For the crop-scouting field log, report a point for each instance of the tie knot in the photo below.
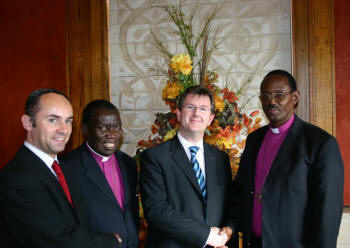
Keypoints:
(55, 166)
(194, 149)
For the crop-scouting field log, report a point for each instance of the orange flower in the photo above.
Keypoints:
(219, 103)
(154, 129)
(246, 120)
(171, 90)
(229, 95)
(254, 113)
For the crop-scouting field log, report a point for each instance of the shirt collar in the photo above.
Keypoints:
(186, 144)
(284, 127)
(46, 158)
(103, 158)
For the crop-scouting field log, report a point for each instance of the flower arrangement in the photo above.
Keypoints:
(231, 124)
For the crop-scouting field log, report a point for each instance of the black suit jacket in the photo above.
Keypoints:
(104, 211)
(302, 194)
(172, 200)
(36, 211)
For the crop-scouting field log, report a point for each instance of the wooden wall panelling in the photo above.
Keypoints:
(313, 61)
(87, 57)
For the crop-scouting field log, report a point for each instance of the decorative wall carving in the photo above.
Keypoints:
(255, 38)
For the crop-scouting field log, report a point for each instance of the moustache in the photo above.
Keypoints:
(272, 106)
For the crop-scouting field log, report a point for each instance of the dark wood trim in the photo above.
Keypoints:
(87, 57)
(313, 60)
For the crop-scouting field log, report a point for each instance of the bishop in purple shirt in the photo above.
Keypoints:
(289, 188)
(105, 176)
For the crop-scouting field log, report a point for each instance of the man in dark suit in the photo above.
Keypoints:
(289, 187)
(185, 183)
(105, 176)
(38, 203)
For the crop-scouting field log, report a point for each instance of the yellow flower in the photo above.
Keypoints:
(170, 134)
(219, 103)
(225, 143)
(171, 90)
(182, 63)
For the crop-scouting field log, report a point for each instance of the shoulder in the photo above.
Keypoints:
(214, 150)
(159, 148)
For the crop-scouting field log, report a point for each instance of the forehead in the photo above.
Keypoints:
(56, 104)
(197, 99)
(275, 83)
(106, 115)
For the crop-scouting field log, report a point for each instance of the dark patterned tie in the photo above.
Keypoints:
(61, 179)
(197, 170)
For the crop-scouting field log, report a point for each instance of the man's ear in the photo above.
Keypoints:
(296, 95)
(27, 122)
(178, 114)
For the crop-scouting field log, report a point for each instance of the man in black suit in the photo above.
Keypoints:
(105, 176)
(38, 203)
(186, 183)
(289, 187)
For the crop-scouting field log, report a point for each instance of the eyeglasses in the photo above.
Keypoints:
(277, 96)
(192, 108)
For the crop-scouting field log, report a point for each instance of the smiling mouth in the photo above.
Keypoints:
(109, 145)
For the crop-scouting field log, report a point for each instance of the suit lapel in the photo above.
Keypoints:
(180, 157)
(95, 175)
(124, 171)
(38, 165)
(210, 171)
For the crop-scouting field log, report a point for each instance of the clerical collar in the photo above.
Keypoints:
(284, 127)
(104, 159)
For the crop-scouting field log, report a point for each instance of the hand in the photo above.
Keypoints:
(225, 231)
(117, 236)
(216, 239)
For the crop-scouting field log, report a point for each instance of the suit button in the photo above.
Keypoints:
(252, 192)
(248, 243)
(125, 217)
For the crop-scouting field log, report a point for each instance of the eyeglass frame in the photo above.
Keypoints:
(273, 96)
(192, 108)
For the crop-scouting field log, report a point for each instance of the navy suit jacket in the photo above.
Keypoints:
(104, 212)
(35, 211)
(172, 200)
(302, 194)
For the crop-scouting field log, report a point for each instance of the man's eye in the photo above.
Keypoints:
(52, 120)
(279, 96)
(203, 109)
(190, 107)
(69, 121)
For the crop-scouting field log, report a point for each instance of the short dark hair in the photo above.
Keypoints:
(32, 102)
(291, 80)
(91, 107)
(197, 90)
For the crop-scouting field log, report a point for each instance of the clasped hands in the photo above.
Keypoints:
(218, 237)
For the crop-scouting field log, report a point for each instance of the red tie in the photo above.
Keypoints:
(60, 176)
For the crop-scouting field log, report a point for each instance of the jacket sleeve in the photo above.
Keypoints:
(326, 184)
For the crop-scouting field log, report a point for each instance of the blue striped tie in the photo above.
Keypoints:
(198, 171)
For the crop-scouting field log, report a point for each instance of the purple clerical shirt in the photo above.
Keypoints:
(272, 142)
(111, 169)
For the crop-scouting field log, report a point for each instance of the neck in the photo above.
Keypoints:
(191, 137)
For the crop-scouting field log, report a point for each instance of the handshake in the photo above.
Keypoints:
(218, 237)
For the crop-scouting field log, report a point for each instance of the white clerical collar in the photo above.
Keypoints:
(275, 130)
(186, 144)
(104, 158)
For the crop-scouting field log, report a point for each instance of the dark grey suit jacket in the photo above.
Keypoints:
(302, 194)
(36, 211)
(104, 212)
(172, 200)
